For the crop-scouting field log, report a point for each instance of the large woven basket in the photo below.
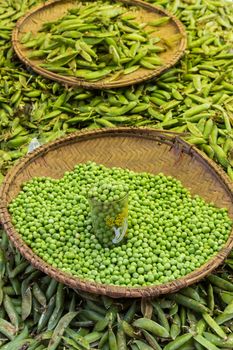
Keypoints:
(55, 9)
(133, 148)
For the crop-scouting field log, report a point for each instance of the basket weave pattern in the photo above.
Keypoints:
(136, 149)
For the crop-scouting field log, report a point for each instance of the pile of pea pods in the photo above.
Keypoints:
(194, 98)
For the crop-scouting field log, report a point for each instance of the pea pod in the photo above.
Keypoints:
(161, 316)
(38, 294)
(206, 343)
(121, 339)
(178, 342)
(26, 303)
(212, 324)
(60, 329)
(7, 329)
(188, 302)
(58, 308)
(10, 310)
(77, 338)
(19, 340)
(196, 110)
(151, 326)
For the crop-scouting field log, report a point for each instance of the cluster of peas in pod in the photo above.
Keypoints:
(109, 211)
(170, 232)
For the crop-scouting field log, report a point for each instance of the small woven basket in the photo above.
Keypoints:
(53, 10)
(138, 149)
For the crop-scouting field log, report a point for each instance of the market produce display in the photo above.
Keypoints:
(95, 40)
(194, 97)
(39, 313)
(170, 233)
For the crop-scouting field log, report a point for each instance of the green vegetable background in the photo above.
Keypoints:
(195, 97)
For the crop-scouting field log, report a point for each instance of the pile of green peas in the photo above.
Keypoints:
(170, 232)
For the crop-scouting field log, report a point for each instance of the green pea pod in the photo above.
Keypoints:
(60, 329)
(74, 344)
(151, 326)
(157, 101)
(89, 75)
(194, 129)
(84, 46)
(93, 337)
(137, 58)
(18, 141)
(161, 316)
(228, 145)
(26, 303)
(213, 137)
(214, 325)
(10, 310)
(72, 306)
(26, 37)
(17, 341)
(58, 308)
(196, 140)
(121, 336)
(57, 69)
(178, 342)
(112, 340)
(91, 315)
(196, 110)
(144, 63)
(128, 329)
(151, 340)
(177, 95)
(188, 302)
(190, 292)
(201, 326)
(18, 269)
(7, 329)
(169, 105)
(208, 127)
(159, 21)
(135, 37)
(78, 337)
(175, 327)
(227, 121)
(206, 343)
(101, 325)
(131, 69)
(220, 155)
(39, 295)
(115, 56)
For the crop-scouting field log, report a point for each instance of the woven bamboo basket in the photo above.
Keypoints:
(53, 10)
(138, 149)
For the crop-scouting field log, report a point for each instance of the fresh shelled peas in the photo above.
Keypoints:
(170, 233)
(95, 40)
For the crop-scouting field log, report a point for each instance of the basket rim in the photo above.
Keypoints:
(73, 81)
(111, 290)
